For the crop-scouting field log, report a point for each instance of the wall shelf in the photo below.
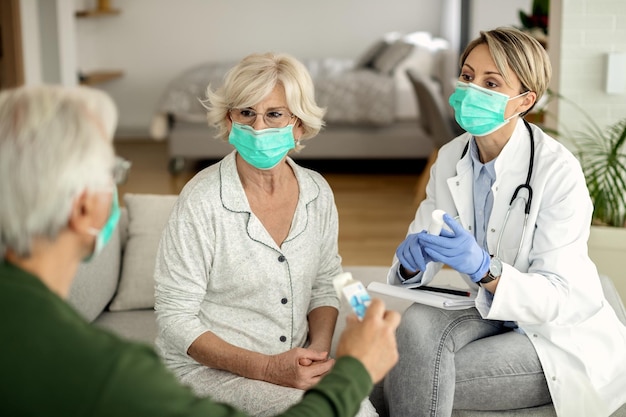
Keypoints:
(102, 9)
(98, 77)
(97, 12)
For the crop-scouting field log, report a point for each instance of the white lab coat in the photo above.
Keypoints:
(553, 290)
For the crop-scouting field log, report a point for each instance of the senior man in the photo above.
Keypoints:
(58, 207)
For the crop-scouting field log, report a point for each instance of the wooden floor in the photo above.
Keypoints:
(374, 209)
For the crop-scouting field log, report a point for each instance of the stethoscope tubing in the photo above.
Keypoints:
(528, 201)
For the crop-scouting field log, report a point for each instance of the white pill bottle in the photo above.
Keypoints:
(354, 292)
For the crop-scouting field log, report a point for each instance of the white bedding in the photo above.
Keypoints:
(372, 90)
(350, 95)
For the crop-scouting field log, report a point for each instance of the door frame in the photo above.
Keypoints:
(12, 59)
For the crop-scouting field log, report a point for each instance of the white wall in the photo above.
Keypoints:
(49, 41)
(154, 40)
(489, 14)
(587, 30)
(31, 49)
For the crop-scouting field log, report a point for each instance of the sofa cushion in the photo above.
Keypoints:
(135, 325)
(147, 216)
(95, 281)
(367, 57)
(392, 56)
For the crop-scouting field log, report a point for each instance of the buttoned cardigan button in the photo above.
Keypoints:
(283, 339)
(284, 300)
(281, 258)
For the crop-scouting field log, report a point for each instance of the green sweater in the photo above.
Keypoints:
(54, 363)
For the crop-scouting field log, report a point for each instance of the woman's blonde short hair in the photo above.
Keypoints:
(253, 79)
(523, 54)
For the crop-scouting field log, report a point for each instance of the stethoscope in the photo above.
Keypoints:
(520, 187)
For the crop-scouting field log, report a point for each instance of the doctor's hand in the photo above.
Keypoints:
(411, 255)
(458, 249)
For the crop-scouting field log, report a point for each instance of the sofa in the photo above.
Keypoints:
(115, 290)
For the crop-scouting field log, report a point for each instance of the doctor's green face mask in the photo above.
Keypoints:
(103, 236)
(263, 149)
(478, 110)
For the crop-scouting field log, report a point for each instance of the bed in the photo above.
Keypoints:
(372, 110)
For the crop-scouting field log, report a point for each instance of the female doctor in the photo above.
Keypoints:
(542, 330)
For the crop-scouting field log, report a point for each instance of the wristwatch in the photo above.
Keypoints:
(495, 270)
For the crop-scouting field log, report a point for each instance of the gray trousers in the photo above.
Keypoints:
(458, 360)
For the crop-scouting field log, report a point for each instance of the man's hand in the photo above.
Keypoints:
(298, 368)
(372, 340)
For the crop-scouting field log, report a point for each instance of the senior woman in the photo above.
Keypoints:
(541, 330)
(244, 298)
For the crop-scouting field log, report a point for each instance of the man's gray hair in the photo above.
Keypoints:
(55, 142)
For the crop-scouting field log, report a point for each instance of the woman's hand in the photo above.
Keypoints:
(298, 368)
(312, 347)
(458, 249)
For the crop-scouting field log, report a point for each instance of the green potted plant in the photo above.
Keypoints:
(602, 154)
(536, 23)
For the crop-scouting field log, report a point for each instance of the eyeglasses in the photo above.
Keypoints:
(120, 170)
(273, 118)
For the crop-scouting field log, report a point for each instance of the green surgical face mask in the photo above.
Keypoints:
(478, 110)
(263, 149)
(103, 236)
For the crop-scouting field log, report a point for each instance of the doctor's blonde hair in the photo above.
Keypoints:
(511, 48)
(253, 79)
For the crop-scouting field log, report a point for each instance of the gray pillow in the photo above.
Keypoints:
(95, 281)
(393, 55)
(147, 216)
(366, 60)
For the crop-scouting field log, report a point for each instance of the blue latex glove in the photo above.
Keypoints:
(410, 253)
(458, 249)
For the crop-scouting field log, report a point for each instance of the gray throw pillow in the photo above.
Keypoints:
(95, 281)
(366, 60)
(393, 55)
(147, 216)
